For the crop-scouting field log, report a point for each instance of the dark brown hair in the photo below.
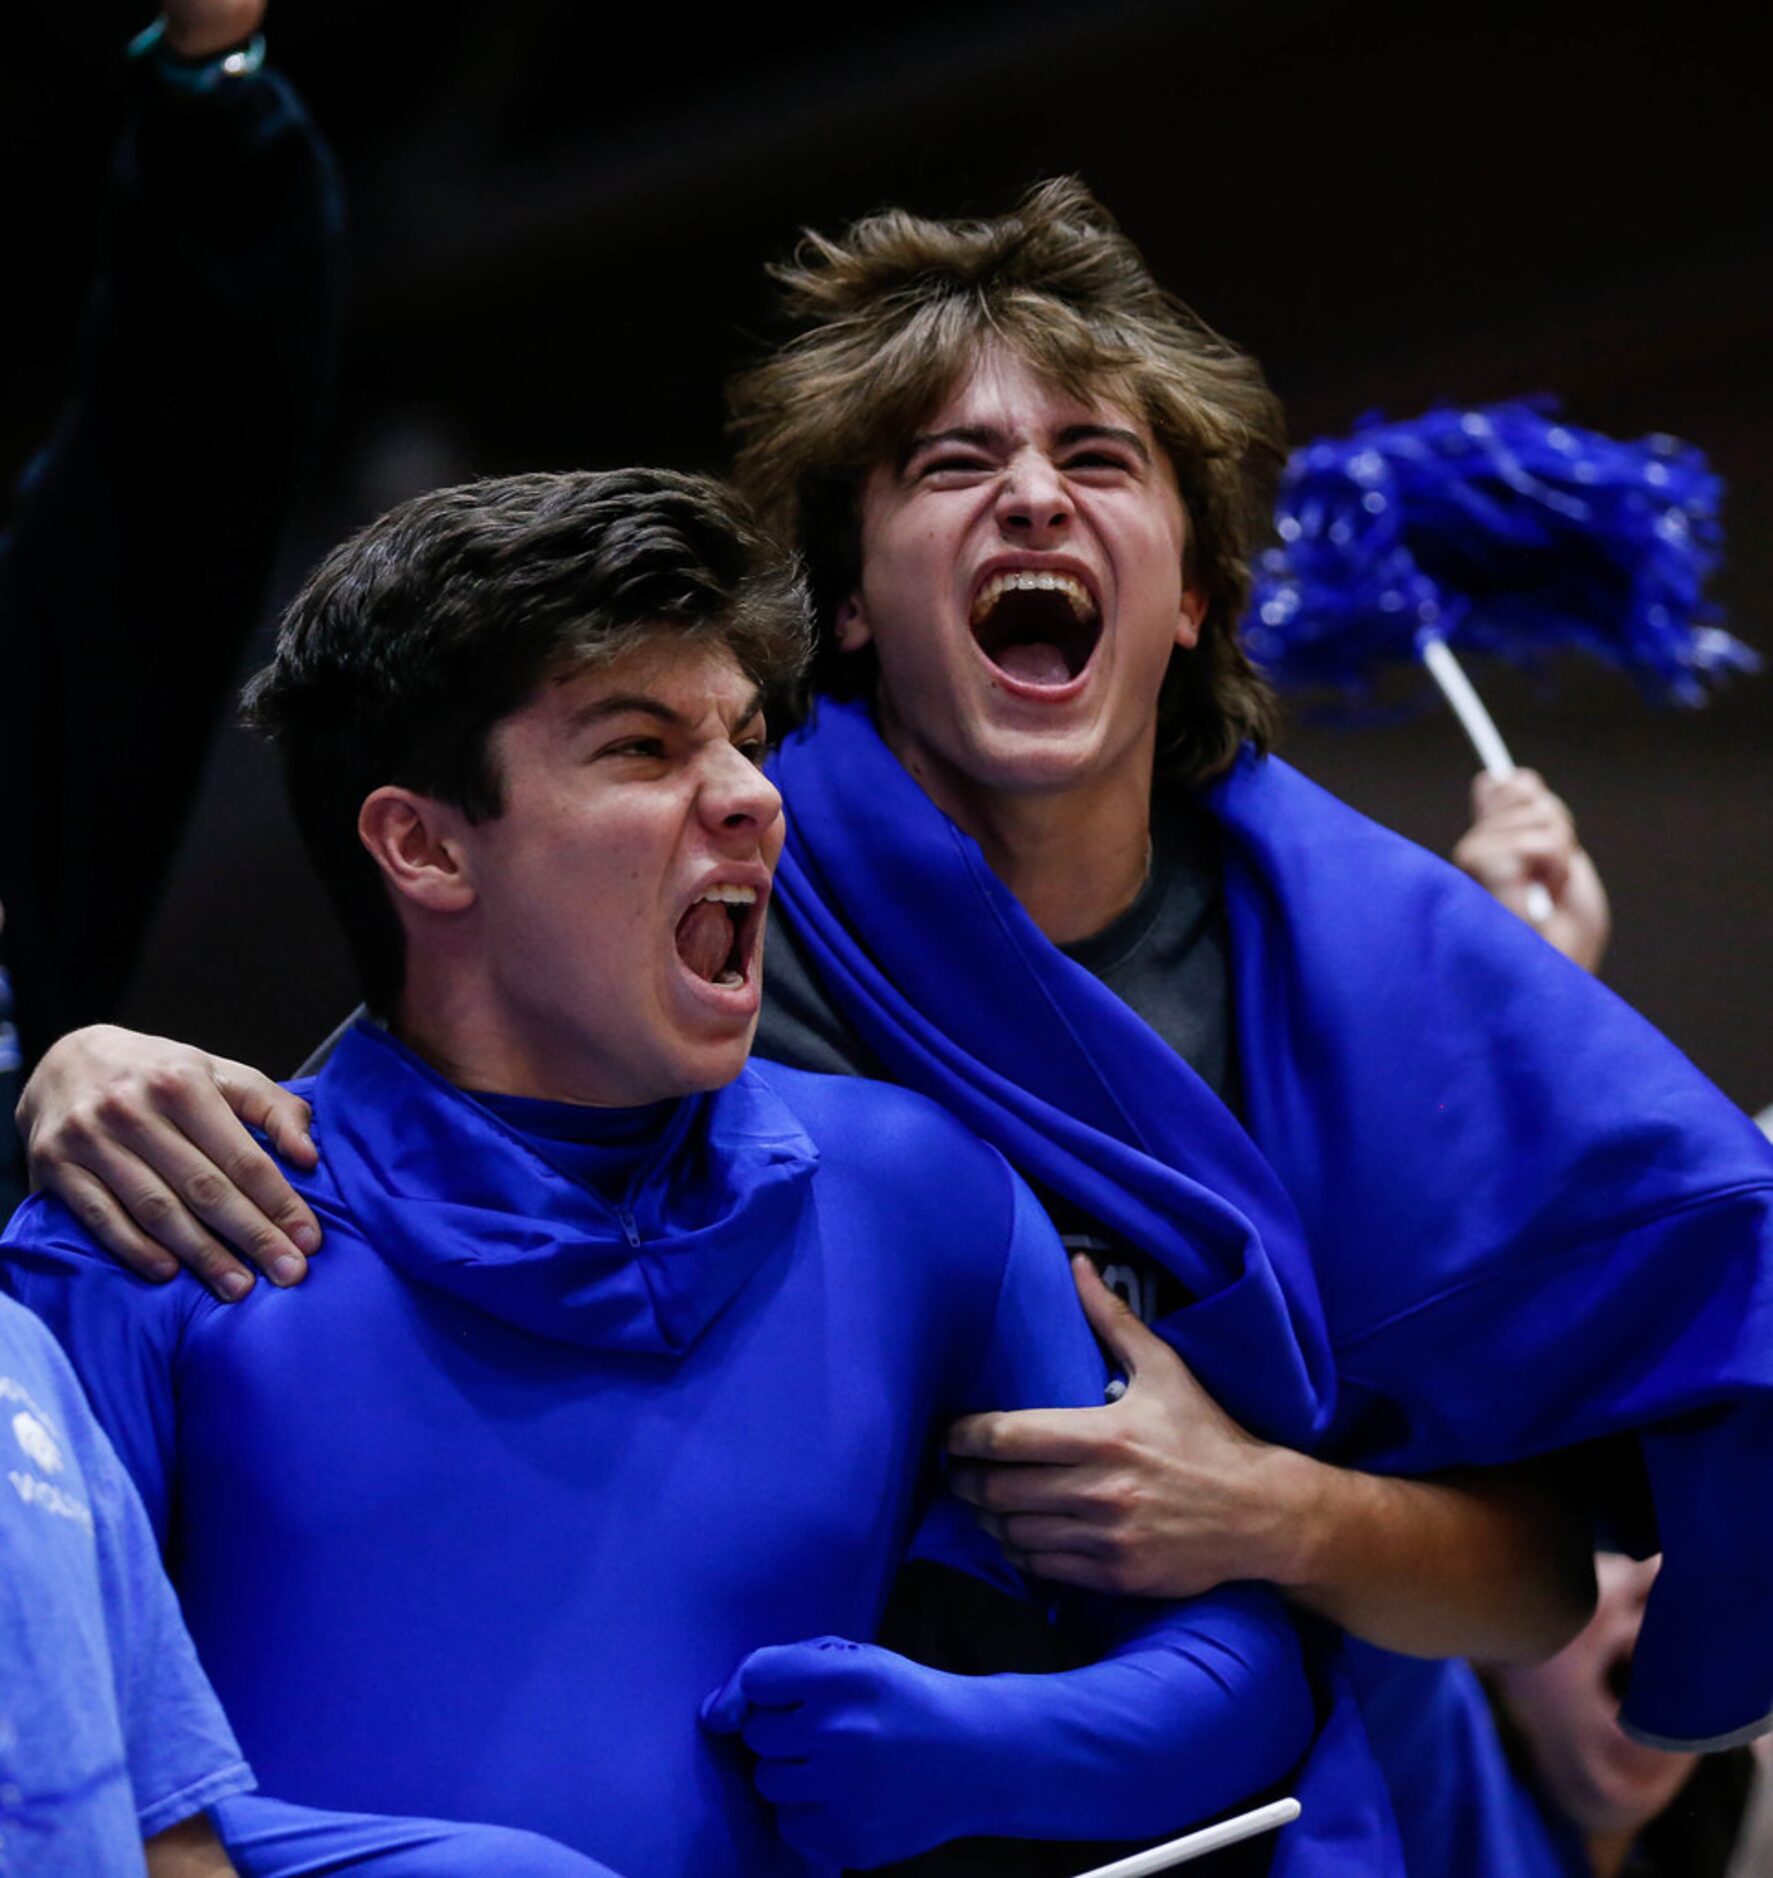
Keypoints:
(894, 312)
(410, 643)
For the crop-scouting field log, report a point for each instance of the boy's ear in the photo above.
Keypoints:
(851, 625)
(417, 843)
(1191, 618)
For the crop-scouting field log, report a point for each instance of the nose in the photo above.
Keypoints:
(737, 797)
(1034, 506)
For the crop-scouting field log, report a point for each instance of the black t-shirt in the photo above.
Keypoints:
(1165, 957)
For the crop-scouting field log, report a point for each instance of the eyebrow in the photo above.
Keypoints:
(985, 436)
(1099, 433)
(622, 703)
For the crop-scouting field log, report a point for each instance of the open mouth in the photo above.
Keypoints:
(1036, 627)
(716, 938)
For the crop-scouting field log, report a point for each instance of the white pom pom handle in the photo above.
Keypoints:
(1486, 740)
(1194, 1845)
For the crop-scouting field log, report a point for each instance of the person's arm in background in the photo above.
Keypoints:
(1521, 836)
(141, 540)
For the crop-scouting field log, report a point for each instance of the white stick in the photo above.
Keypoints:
(1486, 740)
(1194, 1844)
(1468, 707)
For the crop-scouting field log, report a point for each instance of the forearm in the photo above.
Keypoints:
(188, 1850)
(869, 1757)
(1201, 1707)
(1487, 1565)
(273, 1839)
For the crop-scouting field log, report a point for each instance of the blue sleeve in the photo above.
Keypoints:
(121, 1334)
(1038, 1353)
(1199, 1707)
(181, 1752)
(1193, 1707)
(178, 1748)
(272, 1839)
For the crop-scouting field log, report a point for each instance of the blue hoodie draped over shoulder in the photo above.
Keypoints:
(1476, 1209)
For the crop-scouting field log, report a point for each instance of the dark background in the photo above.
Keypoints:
(560, 215)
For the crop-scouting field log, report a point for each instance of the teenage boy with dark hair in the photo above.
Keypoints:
(625, 1369)
(1353, 1138)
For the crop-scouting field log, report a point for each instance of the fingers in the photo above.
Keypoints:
(175, 1191)
(1058, 1437)
(270, 1108)
(1111, 1317)
(776, 1733)
(723, 1712)
(1027, 1535)
(231, 1183)
(1521, 788)
(132, 1186)
(1520, 831)
(775, 1677)
(1503, 859)
(785, 1782)
(1082, 1570)
(208, 1182)
(90, 1203)
(1024, 1488)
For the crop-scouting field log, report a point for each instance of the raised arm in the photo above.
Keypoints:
(1162, 1494)
(142, 538)
(1522, 836)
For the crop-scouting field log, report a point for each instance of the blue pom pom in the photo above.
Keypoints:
(1503, 531)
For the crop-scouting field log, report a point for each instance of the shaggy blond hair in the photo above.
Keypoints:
(893, 314)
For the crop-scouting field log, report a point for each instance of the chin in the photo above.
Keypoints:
(1035, 761)
(714, 1063)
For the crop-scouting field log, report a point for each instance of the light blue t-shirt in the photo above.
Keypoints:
(109, 1732)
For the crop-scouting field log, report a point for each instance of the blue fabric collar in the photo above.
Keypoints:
(456, 1198)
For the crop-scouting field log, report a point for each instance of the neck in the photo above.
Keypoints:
(1607, 1852)
(1075, 855)
(442, 1018)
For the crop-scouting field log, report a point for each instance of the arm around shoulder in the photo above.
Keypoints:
(145, 1141)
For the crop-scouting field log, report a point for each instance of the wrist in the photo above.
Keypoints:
(199, 64)
(990, 1734)
(1311, 1499)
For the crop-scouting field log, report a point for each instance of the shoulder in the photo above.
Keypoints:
(897, 1145)
(1383, 908)
(1265, 804)
(856, 1115)
(54, 1267)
